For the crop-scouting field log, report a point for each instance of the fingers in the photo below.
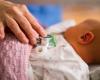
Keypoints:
(14, 27)
(2, 34)
(34, 22)
(26, 26)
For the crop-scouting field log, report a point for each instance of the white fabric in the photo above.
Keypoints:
(61, 27)
(58, 63)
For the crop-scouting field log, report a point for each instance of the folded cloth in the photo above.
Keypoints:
(95, 72)
(59, 62)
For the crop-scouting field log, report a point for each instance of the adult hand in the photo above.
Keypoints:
(20, 21)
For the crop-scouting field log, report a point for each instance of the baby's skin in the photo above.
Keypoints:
(85, 39)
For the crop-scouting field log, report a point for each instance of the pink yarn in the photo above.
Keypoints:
(14, 59)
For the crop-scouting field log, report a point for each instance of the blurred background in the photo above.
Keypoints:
(49, 12)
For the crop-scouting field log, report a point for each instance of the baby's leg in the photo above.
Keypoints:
(14, 57)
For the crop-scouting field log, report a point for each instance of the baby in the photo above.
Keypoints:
(53, 59)
(85, 39)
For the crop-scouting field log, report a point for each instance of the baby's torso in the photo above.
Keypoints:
(55, 59)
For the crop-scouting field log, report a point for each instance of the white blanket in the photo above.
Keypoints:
(60, 62)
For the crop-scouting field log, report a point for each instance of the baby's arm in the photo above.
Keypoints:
(14, 57)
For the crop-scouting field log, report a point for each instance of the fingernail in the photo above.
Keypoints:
(33, 41)
(26, 41)
(1, 36)
(44, 34)
(36, 36)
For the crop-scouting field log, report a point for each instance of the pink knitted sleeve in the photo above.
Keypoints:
(14, 59)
